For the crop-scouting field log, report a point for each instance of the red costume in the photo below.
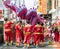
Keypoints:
(27, 34)
(38, 34)
(56, 33)
(8, 32)
(22, 34)
(18, 33)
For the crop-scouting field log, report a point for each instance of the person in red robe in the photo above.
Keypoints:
(38, 33)
(8, 32)
(18, 29)
(56, 33)
(27, 34)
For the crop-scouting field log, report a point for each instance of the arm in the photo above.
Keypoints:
(24, 30)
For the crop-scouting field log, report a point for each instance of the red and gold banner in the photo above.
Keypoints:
(42, 6)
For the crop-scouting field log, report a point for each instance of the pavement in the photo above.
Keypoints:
(57, 45)
(46, 46)
(14, 47)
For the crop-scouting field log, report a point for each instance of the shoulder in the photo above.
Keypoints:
(28, 25)
(9, 22)
(16, 25)
(37, 25)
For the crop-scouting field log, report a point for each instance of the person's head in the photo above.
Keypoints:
(38, 22)
(41, 24)
(6, 19)
(28, 22)
(19, 22)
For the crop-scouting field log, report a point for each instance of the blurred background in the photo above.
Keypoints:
(49, 9)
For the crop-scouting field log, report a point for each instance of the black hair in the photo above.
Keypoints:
(19, 21)
(41, 24)
(28, 22)
(38, 22)
(56, 29)
(6, 19)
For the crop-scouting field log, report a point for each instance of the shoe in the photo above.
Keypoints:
(34, 46)
(17, 44)
(6, 43)
(42, 45)
(37, 45)
(11, 44)
(28, 45)
(50, 42)
(25, 45)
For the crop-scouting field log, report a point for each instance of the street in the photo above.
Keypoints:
(46, 46)
(31, 22)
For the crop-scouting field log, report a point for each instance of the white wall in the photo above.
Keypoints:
(29, 3)
(54, 15)
(1, 4)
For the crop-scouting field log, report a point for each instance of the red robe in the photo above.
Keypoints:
(8, 32)
(27, 33)
(56, 33)
(38, 34)
(18, 33)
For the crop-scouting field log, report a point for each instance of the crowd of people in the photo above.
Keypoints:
(23, 33)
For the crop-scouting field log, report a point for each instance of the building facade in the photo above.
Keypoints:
(55, 10)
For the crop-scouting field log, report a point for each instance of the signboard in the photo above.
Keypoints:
(40, 8)
(43, 8)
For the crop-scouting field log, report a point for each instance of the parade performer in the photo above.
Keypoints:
(8, 31)
(56, 32)
(27, 34)
(58, 25)
(18, 28)
(38, 34)
(50, 38)
(22, 34)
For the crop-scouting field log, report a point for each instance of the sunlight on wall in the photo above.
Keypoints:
(29, 3)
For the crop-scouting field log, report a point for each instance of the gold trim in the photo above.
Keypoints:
(27, 32)
(6, 30)
(37, 33)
